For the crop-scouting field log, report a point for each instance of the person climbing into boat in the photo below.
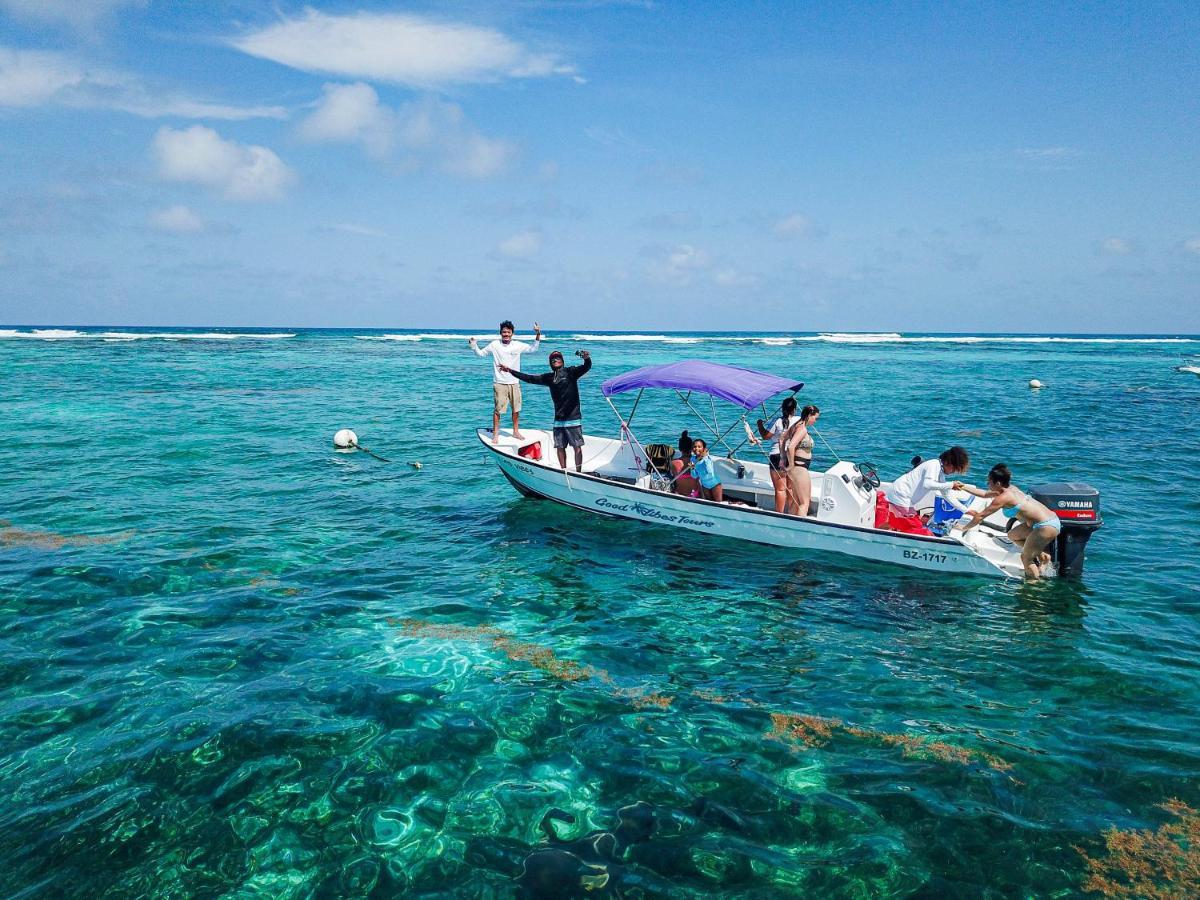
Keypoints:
(506, 358)
(682, 480)
(797, 446)
(916, 488)
(775, 460)
(702, 465)
(1036, 525)
(564, 391)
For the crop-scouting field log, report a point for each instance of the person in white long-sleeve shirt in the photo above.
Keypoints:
(506, 390)
(915, 489)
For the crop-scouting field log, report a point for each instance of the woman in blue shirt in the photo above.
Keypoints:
(702, 467)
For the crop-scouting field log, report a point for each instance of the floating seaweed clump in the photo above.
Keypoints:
(1156, 864)
(815, 731)
(643, 701)
(796, 729)
(541, 658)
(807, 731)
(37, 539)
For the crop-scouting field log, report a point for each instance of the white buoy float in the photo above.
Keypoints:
(1035, 385)
(346, 440)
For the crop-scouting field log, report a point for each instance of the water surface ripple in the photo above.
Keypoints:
(235, 662)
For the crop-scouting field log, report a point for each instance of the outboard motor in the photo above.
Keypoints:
(1077, 506)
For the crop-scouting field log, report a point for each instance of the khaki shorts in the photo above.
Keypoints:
(506, 394)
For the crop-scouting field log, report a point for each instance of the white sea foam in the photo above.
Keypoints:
(619, 338)
(43, 334)
(883, 337)
(893, 338)
(437, 336)
(190, 336)
(70, 334)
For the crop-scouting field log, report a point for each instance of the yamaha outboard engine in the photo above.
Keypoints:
(1078, 509)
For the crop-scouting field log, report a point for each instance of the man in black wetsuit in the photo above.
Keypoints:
(564, 391)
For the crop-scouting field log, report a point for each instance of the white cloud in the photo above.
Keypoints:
(1192, 245)
(732, 278)
(198, 155)
(422, 134)
(398, 48)
(33, 77)
(676, 265)
(359, 230)
(1047, 159)
(38, 77)
(176, 220)
(82, 15)
(522, 245)
(615, 139)
(1115, 246)
(136, 101)
(352, 113)
(1046, 153)
(794, 225)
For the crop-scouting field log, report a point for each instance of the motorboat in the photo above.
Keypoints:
(622, 479)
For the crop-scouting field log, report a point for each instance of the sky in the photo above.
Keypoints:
(1014, 167)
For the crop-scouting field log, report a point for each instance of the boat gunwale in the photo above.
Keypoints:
(799, 520)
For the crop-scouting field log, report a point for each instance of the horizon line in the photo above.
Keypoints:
(597, 330)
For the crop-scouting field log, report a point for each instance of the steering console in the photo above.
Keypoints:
(870, 478)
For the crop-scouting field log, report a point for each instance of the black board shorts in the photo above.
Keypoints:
(568, 434)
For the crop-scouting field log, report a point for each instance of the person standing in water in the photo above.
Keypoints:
(506, 390)
(564, 391)
(1036, 526)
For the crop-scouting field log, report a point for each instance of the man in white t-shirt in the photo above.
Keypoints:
(916, 489)
(506, 390)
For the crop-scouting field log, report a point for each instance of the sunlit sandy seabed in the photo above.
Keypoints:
(234, 662)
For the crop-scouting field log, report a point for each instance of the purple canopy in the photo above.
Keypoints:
(745, 387)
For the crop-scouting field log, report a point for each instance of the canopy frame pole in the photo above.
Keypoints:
(633, 440)
(764, 409)
(687, 402)
(641, 391)
(717, 433)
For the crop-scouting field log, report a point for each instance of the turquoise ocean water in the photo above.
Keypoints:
(236, 663)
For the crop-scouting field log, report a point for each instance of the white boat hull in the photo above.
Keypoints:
(976, 554)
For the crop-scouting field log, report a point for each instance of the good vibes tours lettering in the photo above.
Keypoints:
(649, 512)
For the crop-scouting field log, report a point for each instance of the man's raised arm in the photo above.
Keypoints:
(580, 371)
(528, 379)
(537, 339)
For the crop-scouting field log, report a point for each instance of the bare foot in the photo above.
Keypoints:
(518, 436)
(1043, 559)
(495, 437)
